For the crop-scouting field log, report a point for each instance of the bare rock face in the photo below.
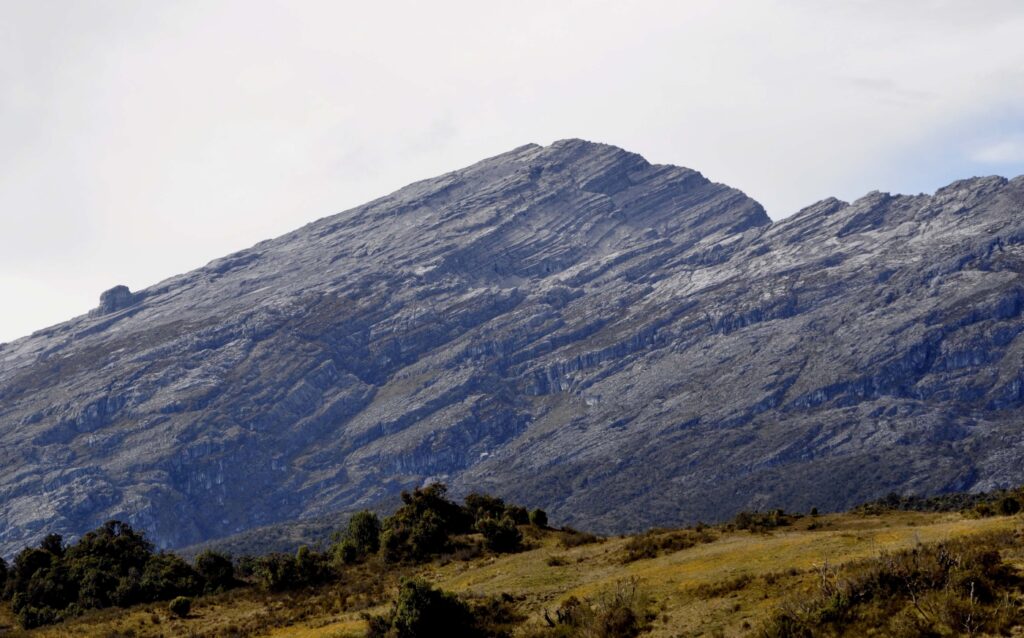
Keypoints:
(569, 326)
(117, 298)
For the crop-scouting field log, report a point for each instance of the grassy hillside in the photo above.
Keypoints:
(728, 582)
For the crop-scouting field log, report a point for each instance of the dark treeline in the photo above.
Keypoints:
(999, 502)
(115, 565)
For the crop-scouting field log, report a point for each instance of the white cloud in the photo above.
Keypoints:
(1006, 151)
(144, 139)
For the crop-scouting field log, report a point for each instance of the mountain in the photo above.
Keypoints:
(568, 326)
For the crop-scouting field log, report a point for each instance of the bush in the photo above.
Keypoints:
(111, 565)
(364, 532)
(952, 588)
(180, 606)
(500, 536)
(572, 538)
(761, 521)
(657, 542)
(624, 611)
(360, 539)
(481, 506)
(421, 611)
(216, 571)
(519, 515)
(539, 518)
(1008, 506)
(276, 572)
(423, 525)
(282, 572)
(166, 576)
(345, 552)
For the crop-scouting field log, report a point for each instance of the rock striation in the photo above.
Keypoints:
(624, 344)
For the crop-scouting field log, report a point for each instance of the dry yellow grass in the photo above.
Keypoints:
(762, 569)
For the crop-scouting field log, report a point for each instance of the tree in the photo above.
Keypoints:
(519, 514)
(276, 572)
(166, 576)
(53, 543)
(500, 535)
(421, 527)
(539, 518)
(281, 572)
(216, 570)
(421, 611)
(111, 565)
(360, 539)
(481, 506)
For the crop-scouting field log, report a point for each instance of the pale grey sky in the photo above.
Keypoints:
(143, 139)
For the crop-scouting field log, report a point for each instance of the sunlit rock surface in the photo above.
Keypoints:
(569, 326)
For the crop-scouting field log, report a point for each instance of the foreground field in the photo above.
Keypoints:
(726, 586)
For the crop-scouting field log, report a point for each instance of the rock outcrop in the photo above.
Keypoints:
(622, 343)
(117, 298)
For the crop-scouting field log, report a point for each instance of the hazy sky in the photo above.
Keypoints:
(143, 139)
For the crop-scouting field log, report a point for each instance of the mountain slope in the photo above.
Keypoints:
(569, 326)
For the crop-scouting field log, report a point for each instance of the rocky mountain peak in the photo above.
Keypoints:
(625, 344)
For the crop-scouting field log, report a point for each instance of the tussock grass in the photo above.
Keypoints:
(729, 585)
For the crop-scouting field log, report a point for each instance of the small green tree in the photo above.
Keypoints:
(166, 576)
(180, 606)
(53, 543)
(360, 539)
(421, 527)
(500, 535)
(539, 518)
(276, 572)
(421, 611)
(216, 570)
(310, 567)
(519, 514)
(481, 506)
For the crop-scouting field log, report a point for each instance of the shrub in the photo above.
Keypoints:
(481, 506)
(360, 539)
(345, 552)
(623, 611)
(984, 510)
(572, 538)
(421, 611)
(216, 571)
(519, 515)
(166, 576)
(761, 521)
(1008, 506)
(276, 572)
(953, 588)
(539, 518)
(283, 572)
(422, 526)
(180, 606)
(364, 532)
(657, 542)
(500, 536)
